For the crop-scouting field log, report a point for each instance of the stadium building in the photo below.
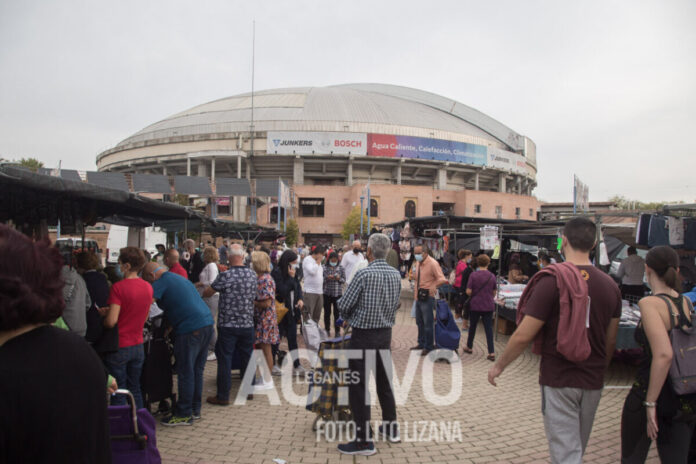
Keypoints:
(420, 154)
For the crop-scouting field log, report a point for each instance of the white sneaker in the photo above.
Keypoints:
(276, 371)
(212, 357)
(459, 320)
(264, 386)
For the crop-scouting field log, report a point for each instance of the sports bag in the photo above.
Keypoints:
(682, 372)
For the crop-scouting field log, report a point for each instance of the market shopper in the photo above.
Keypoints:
(631, 272)
(351, 259)
(428, 276)
(553, 311)
(76, 296)
(289, 292)
(192, 260)
(481, 289)
(171, 260)
(52, 397)
(237, 287)
(369, 307)
(129, 304)
(222, 252)
(193, 327)
(313, 274)
(463, 260)
(334, 278)
(652, 410)
(206, 278)
(265, 318)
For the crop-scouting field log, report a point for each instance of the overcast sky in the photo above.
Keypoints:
(606, 89)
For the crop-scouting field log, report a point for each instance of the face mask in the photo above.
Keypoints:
(333, 264)
(356, 250)
(118, 272)
(419, 258)
(296, 266)
(468, 261)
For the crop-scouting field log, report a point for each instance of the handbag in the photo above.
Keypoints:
(422, 293)
(281, 310)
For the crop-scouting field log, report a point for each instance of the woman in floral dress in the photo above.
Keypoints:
(265, 318)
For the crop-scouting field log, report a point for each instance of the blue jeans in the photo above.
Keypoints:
(425, 322)
(191, 353)
(231, 339)
(125, 366)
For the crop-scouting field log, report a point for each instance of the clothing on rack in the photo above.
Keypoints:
(690, 234)
(676, 231)
(642, 229)
(657, 233)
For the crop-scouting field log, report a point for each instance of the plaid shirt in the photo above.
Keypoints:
(371, 300)
(334, 287)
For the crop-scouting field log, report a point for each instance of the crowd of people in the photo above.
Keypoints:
(63, 320)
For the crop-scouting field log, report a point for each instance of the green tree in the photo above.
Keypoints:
(626, 204)
(30, 163)
(293, 233)
(352, 223)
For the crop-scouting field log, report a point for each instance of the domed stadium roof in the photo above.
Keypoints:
(375, 108)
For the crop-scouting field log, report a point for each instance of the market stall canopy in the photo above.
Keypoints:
(227, 187)
(29, 198)
(69, 174)
(151, 183)
(112, 180)
(191, 185)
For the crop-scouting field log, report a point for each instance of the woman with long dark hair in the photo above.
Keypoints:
(652, 410)
(289, 292)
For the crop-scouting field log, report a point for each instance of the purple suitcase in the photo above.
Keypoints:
(132, 434)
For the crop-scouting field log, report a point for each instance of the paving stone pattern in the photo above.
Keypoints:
(498, 425)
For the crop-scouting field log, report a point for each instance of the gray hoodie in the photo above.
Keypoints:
(77, 301)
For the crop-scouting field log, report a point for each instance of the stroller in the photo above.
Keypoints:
(323, 398)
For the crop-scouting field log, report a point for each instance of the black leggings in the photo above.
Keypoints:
(487, 319)
(673, 436)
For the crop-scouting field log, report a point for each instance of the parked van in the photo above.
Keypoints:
(72, 244)
(118, 238)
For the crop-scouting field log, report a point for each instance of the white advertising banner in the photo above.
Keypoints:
(319, 143)
(501, 159)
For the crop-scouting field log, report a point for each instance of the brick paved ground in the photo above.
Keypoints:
(500, 424)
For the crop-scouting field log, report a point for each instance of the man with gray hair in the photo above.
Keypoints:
(237, 287)
(369, 307)
(192, 260)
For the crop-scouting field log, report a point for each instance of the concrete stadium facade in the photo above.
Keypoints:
(419, 152)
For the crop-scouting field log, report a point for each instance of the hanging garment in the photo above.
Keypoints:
(690, 234)
(676, 231)
(642, 229)
(658, 234)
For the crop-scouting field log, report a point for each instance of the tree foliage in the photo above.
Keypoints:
(292, 233)
(30, 163)
(626, 204)
(352, 223)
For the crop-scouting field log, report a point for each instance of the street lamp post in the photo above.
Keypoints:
(362, 199)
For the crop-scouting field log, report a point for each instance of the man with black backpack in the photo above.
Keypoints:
(571, 311)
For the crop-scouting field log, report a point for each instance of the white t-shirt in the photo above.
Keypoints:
(313, 276)
(207, 277)
(349, 261)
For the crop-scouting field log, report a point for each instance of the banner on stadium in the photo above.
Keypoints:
(581, 195)
(319, 143)
(501, 159)
(402, 146)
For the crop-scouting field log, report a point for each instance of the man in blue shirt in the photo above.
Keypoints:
(193, 327)
(237, 287)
